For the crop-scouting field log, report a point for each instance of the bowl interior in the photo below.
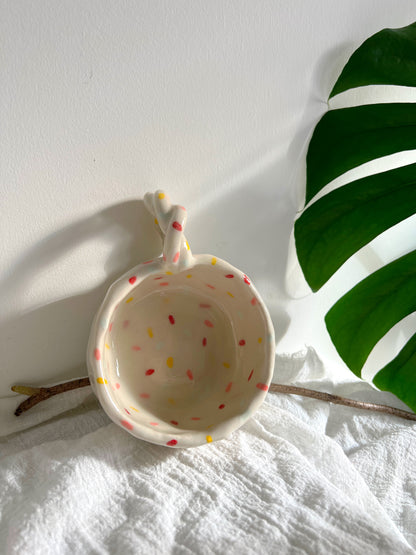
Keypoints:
(187, 351)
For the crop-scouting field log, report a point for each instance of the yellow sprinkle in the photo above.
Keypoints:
(213, 261)
(156, 222)
(259, 339)
(161, 195)
(231, 295)
(132, 408)
(189, 276)
(169, 362)
(210, 426)
(187, 245)
(129, 300)
(169, 273)
(226, 364)
(150, 332)
(102, 381)
(171, 401)
(209, 439)
(107, 346)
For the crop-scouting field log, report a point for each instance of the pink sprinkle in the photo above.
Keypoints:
(163, 283)
(262, 386)
(127, 411)
(229, 276)
(210, 286)
(195, 418)
(148, 262)
(221, 407)
(136, 348)
(171, 319)
(189, 374)
(253, 301)
(159, 277)
(117, 385)
(177, 226)
(176, 257)
(246, 279)
(110, 327)
(174, 422)
(242, 342)
(154, 423)
(204, 341)
(228, 388)
(172, 442)
(251, 375)
(126, 424)
(132, 280)
(164, 257)
(144, 395)
(97, 354)
(126, 324)
(182, 208)
(209, 323)
(205, 305)
(149, 372)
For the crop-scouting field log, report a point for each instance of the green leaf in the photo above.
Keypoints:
(399, 376)
(336, 226)
(365, 314)
(386, 58)
(349, 137)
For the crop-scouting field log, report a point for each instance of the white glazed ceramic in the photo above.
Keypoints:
(181, 352)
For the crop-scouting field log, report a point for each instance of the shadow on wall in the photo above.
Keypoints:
(43, 340)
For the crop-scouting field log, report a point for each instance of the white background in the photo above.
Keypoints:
(102, 101)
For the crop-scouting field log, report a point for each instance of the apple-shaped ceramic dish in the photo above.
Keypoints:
(181, 352)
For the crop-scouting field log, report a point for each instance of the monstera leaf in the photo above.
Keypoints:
(335, 225)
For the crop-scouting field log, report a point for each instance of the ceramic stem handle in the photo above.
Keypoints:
(171, 219)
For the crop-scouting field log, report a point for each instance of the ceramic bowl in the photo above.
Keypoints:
(181, 352)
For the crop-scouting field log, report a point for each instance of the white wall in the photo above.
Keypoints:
(103, 100)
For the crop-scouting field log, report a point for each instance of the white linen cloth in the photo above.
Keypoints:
(302, 476)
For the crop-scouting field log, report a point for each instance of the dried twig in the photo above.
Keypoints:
(38, 394)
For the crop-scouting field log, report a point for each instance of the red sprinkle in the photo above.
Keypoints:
(126, 424)
(158, 277)
(174, 422)
(127, 411)
(221, 407)
(164, 283)
(228, 388)
(242, 342)
(229, 276)
(177, 226)
(171, 319)
(117, 386)
(253, 301)
(209, 323)
(144, 395)
(205, 305)
(136, 348)
(251, 375)
(97, 354)
(148, 262)
(204, 341)
(110, 327)
(132, 280)
(246, 279)
(154, 423)
(176, 257)
(149, 372)
(189, 374)
(195, 418)
(262, 386)
(210, 286)
(172, 442)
